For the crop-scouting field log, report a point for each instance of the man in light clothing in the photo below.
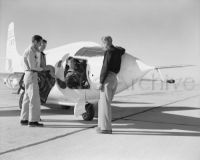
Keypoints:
(108, 84)
(30, 113)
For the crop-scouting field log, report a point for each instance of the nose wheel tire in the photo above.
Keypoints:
(89, 114)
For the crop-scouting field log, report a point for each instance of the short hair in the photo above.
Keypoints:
(37, 38)
(44, 40)
(107, 39)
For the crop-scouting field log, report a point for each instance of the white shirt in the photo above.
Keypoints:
(31, 59)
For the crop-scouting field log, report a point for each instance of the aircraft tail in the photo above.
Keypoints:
(13, 59)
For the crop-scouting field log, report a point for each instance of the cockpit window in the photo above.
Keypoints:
(75, 74)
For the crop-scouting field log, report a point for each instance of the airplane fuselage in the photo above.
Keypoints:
(132, 69)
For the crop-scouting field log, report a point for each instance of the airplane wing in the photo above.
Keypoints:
(158, 68)
(174, 66)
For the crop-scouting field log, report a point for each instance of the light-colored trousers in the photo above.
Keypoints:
(31, 102)
(106, 96)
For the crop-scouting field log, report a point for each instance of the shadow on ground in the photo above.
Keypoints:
(127, 120)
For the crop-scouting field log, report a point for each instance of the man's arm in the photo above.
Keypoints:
(122, 50)
(104, 69)
(62, 84)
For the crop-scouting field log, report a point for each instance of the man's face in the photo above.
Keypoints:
(37, 44)
(43, 46)
(104, 44)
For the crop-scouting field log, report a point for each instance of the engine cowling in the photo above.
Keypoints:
(12, 81)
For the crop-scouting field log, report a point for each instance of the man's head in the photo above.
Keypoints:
(43, 45)
(106, 41)
(36, 41)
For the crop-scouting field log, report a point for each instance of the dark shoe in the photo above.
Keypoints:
(98, 130)
(35, 124)
(24, 122)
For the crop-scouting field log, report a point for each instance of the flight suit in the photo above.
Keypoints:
(31, 101)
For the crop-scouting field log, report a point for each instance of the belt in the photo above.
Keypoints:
(34, 71)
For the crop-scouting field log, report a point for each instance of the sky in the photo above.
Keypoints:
(160, 32)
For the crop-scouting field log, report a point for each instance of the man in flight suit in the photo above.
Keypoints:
(30, 113)
(47, 76)
(108, 84)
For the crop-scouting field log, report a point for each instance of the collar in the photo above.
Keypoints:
(33, 49)
(110, 48)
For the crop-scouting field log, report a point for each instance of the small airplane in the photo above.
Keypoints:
(89, 56)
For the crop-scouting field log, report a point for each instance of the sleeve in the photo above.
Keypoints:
(122, 50)
(105, 67)
(62, 84)
(26, 63)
